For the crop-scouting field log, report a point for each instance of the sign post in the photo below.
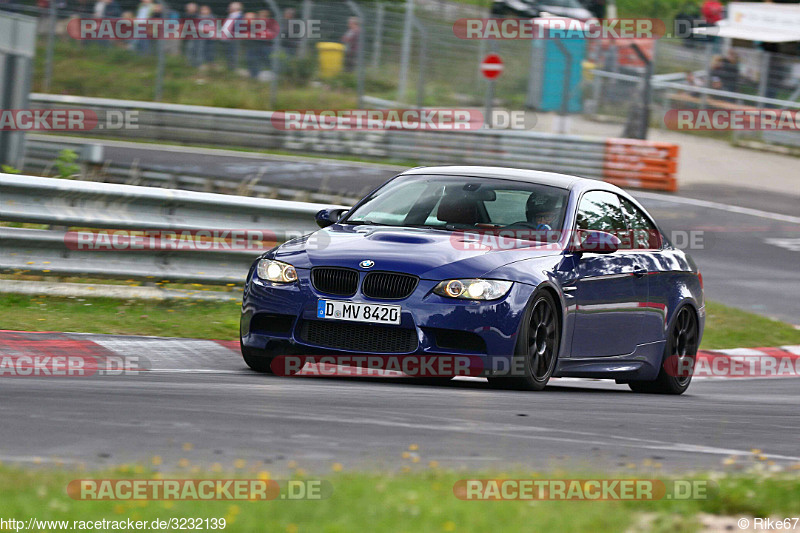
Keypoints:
(491, 68)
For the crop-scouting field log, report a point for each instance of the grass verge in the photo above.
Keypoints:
(415, 500)
(726, 327)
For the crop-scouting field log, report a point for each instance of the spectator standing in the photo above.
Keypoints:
(229, 27)
(266, 39)
(144, 12)
(206, 47)
(131, 43)
(289, 41)
(191, 46)
(729, 71)
(252, 49)
(351, 42)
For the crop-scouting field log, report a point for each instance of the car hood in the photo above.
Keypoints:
(427, 253)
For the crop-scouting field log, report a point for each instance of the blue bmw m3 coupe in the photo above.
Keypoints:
(535, 274)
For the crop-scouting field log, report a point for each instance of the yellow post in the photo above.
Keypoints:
(331, 59)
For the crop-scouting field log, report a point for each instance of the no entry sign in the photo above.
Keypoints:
(492, 66)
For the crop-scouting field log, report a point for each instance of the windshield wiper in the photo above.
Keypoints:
(448, 227)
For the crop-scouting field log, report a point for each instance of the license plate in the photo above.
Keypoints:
(357, 312)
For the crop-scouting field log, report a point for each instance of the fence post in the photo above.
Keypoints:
(376, 45)
(489, 102)
(276, 53)
(51, 36)
(360, 54)
(763, 82)
(566, 88)
(405, 54)
(533, 97)
(306, 15)
(159, 70)
(639, 116)
(423, 52)
(709, 58)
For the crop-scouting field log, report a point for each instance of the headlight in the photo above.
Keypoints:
(276, 271)
(473, 289)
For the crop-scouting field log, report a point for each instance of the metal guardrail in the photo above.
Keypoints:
(625, 162)
(63, 204)
(42, 152)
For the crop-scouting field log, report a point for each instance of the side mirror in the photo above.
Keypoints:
(596, 242)
(327, 217)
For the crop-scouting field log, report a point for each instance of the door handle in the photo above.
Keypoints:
(639, 271)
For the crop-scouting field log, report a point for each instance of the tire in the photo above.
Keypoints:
(682, 345)
(256, 361)
(537, 347)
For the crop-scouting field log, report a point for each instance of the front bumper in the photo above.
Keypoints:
(438, 325)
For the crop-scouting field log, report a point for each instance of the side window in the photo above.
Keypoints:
(642, 233)
(600, 211)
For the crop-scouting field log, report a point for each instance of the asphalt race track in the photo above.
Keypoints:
(201, 403)
(199, 392)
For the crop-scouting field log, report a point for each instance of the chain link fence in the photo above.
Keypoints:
(408, 54)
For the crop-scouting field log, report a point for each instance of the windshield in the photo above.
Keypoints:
(463, 203)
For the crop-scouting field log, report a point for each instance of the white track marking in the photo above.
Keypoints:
(719, 206)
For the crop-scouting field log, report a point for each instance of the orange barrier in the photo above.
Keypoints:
(641, 164)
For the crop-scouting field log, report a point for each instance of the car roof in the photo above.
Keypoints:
(563, 181)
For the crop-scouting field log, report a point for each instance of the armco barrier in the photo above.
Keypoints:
(625, 162)
(68, 203)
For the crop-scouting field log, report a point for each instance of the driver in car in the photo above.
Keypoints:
(541, 212)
